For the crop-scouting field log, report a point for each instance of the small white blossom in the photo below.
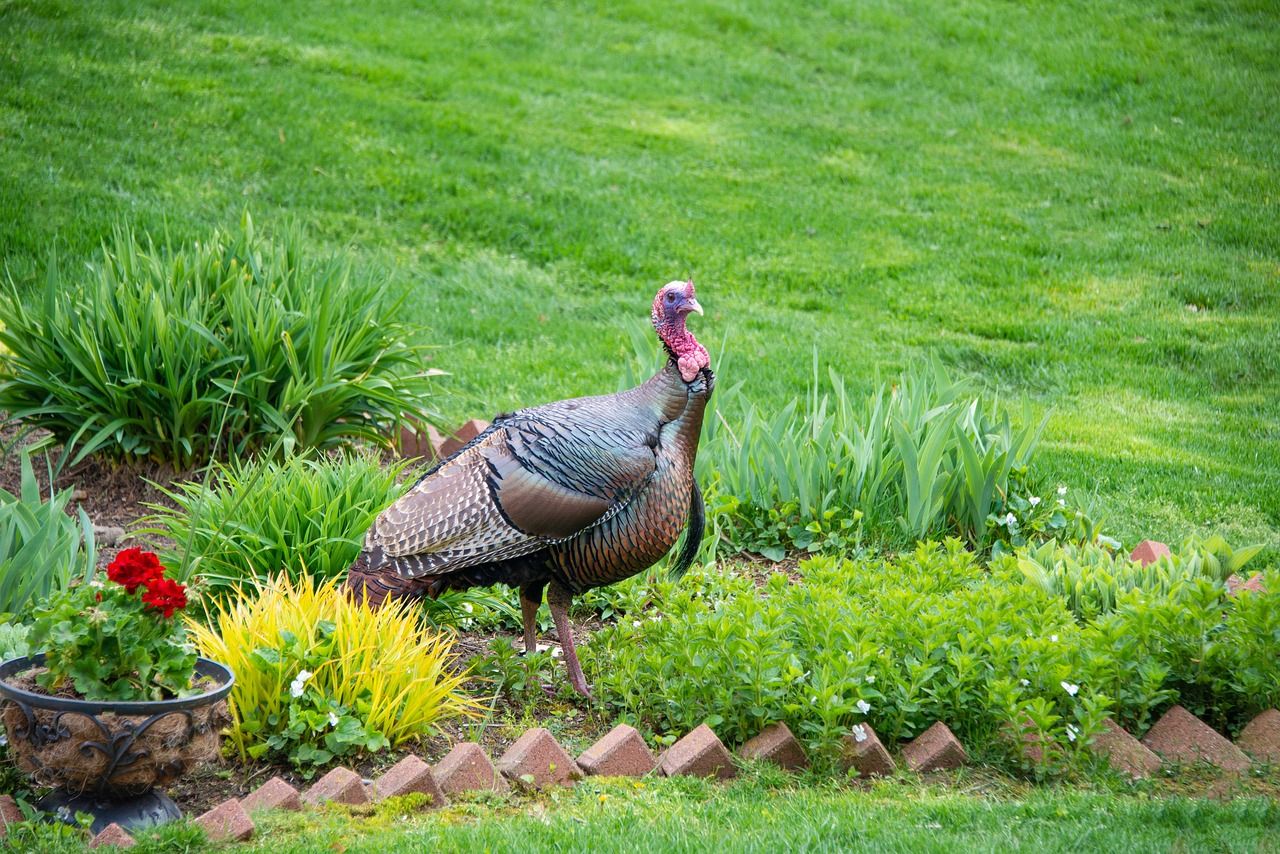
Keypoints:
(1053, 638)
(864, 706)
(1062, 490)
(296, 687)
(468, 607)
(333, 719)
(1025, 683)
(1070, 689)
(1010, 519)
(1072, 732)
(871, 679)
(635, 624)
(859, 733)
(1033, 500)
(1061, 503)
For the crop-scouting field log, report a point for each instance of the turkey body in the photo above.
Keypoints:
(565, 497)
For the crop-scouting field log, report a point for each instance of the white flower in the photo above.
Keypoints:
(871, 679)
(864, 706)
(635, 624)
(1072, 732)
(1061, 503)
(1062, 490)
(1070, 689)
(333, 719)
(859, 733)
(1034, 500)
(1053, 638)
(1010, 519)
(467, 606)
(1025, 683)
(296, 687)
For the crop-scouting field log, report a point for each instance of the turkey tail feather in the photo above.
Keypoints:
(692, 535)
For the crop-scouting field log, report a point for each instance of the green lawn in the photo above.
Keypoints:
(681, 815)
(1076, 201)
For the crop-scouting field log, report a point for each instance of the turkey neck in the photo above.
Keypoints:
(677, 404)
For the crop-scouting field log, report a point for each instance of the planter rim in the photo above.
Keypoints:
(204, 667)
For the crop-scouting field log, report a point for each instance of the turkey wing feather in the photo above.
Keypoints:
(526, 484)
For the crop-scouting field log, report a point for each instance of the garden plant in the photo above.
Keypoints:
(989, 290)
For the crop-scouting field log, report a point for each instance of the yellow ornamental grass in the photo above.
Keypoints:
(392, 673)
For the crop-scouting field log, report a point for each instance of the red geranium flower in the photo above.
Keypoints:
(134, 568)
(165, 595)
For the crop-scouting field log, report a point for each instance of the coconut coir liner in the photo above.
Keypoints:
(164, 751)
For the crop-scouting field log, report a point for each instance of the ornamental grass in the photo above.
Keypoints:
(318, 676)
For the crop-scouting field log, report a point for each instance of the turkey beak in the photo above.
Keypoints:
(693, 306)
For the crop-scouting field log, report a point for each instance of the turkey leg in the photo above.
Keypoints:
(558, 599)
(530, 599)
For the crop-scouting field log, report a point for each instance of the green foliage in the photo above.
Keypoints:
(318, 677)
(40, 834)
(257, 518)
(13, 640)
(517, 675)
(111, 642)
(930, 636)
(923, 457)
(41, 548)
(163, 353)
(1214, 654)
(1093, 579)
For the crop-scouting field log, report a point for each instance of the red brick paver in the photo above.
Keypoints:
(778, 745)
(935, 749)
(621, 753)
(227, 820)
(467, 768)
(698, 754)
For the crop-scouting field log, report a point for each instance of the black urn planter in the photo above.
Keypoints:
(107, 758)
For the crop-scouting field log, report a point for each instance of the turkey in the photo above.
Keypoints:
(562, 497)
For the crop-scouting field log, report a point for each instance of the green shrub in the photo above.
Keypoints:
(922, 457)
(302, 516)
(163, 353)
(931, 635)
(258, 518)
(13, 640)
(1091, 578)
(41, 548)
